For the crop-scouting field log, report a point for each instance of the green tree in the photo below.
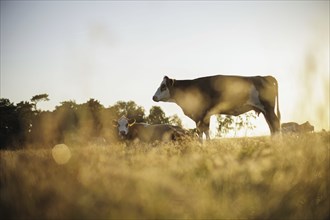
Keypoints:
(26, 117)
(89, 115)
(94, 105)
(175, 120)
(15, 123)
(157, 116)
(227, 123)
(68, 105)
(66, 119)
(9, 124)
(129, 109)
(38, 98)
(247, 123)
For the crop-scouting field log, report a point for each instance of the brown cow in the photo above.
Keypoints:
(231, 95)
(293, 127)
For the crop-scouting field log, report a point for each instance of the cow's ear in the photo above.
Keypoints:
(131, 122)
(169, 82)
(172, 82)
(115, 123)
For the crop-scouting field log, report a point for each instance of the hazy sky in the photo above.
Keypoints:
(120, 50)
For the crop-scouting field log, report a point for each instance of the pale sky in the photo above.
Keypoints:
(120, 50)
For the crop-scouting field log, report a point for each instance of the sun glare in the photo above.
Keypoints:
(61, 154)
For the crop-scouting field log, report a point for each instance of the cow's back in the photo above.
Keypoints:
(165, 132)
(150, 133)
(290, 127)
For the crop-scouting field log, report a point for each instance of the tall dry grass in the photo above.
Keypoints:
(261, 178)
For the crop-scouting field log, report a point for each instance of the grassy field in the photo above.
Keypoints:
(259, 178)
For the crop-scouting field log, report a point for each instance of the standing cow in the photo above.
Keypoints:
(232, 95)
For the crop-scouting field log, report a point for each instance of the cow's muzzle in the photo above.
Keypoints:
(155, 98)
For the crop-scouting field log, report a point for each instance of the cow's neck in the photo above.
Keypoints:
(177, 91)
(178, 85)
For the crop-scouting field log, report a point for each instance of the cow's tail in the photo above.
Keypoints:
(274, 82)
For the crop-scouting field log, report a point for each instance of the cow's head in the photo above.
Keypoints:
(123, 125)
(163, 93)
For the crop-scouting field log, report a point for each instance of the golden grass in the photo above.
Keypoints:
(260, 178)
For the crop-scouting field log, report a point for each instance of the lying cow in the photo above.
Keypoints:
(231, 95)
(293, 127)
(128, 129)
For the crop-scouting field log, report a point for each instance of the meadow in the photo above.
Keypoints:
(281, 177)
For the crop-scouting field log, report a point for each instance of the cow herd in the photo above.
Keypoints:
(206, 96)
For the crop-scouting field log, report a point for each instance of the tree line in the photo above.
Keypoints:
(24, 125)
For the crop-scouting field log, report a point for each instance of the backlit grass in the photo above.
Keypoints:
(259, 178)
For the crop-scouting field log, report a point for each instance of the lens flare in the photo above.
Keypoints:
(61, 153)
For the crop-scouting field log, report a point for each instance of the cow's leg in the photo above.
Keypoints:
(269, 123)
(207, 127)
(203, 126)
(272, 121)
(199, 131)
